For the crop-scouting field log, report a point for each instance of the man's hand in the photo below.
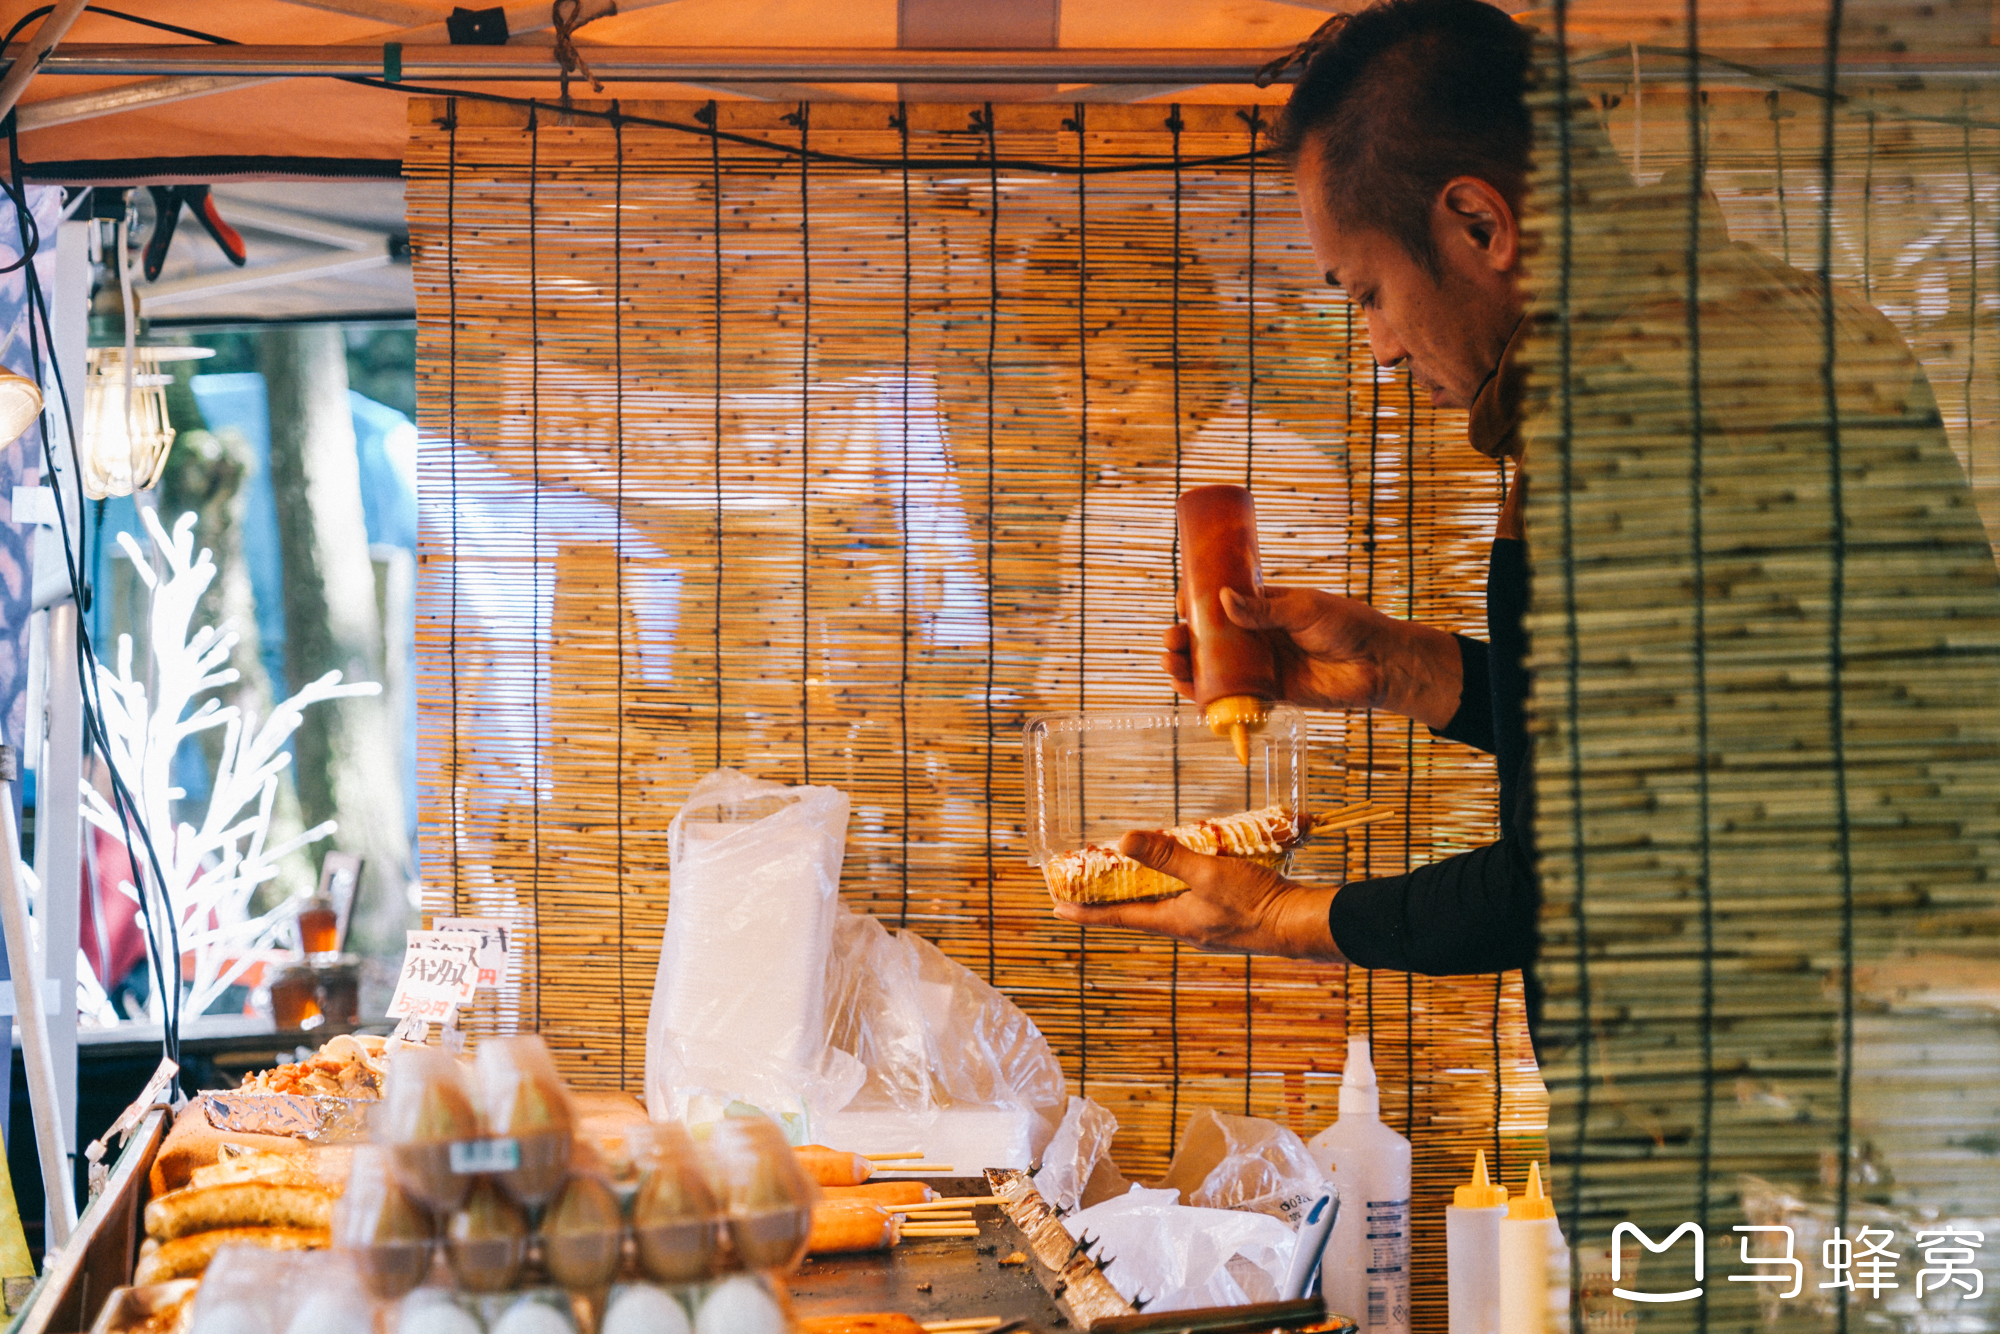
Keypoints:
(1231, 904)
(1337, 653)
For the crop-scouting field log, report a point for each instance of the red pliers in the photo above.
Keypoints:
(167, 201)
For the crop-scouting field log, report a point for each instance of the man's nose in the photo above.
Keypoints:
(1388, 349)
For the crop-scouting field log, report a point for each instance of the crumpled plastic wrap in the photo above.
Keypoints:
(1080, 1144)
(1174, 1258)
(1244, 1162)
(929, 1033)
(739, 1006)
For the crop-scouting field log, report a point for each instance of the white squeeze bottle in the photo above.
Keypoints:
(1472, 1252)
(1366, 1273)
(1534, 1263)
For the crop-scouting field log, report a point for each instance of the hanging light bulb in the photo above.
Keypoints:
(126, 430)
(126, 434)
(20, 404)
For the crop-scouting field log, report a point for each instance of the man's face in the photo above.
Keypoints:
(1449, 328)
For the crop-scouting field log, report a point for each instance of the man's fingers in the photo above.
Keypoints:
(1278, 609)
(1151, 916)
(1163, 854)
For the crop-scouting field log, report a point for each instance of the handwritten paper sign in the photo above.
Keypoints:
(492, 938)
(440, 973)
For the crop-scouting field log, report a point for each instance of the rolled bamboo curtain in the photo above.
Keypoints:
(823, 467)
(1766, 662)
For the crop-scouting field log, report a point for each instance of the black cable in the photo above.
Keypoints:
(903, 546)
(1499, 1077)
(1409, 739)
(1972, 296)
(1572, 634)
(802, 118)
(1174, 126)
(451, 432)
(42, 11)
(715, 228)
(1076, 123)
(1256, 123)
(1867, 218)
(123, 803)
(984, 121)
(1697, 442)
(1836, 621)
(617, 556)
(538, 661)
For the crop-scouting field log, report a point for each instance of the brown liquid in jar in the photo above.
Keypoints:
(1235, 674)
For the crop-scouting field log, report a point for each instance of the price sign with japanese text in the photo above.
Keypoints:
(440, 973)
(492, 937)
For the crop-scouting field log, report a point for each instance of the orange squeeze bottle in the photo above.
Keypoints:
(1235, 674)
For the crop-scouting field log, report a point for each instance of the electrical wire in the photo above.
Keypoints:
(74, 554)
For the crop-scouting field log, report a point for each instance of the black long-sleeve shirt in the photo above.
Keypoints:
(1476, 912)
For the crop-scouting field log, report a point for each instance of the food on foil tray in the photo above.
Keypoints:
(348, 1066)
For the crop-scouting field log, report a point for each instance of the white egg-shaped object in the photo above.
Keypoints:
(435, 1313)
(739, 1305)
(642, 1308)
(531, 1315)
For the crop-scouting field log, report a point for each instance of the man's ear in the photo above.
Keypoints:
(1472, 215)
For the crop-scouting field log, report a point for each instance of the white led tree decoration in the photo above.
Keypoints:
(212, 870)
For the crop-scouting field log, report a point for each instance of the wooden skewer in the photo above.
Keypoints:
(977, 1322)
(948, 1202)
(916, 1167)
(890, 1157)
(943, 1230)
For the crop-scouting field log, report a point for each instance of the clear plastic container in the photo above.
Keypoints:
(1094, 775)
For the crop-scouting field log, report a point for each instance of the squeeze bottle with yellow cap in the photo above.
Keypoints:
(1472, 1252)
(1534, 1263)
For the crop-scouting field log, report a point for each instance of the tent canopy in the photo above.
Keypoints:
(210, 127)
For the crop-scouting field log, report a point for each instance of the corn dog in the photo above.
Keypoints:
(851, 1225)
(831, 1167)
(887, 1322)
(885, 1193)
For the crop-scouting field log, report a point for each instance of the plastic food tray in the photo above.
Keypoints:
(1093, 775)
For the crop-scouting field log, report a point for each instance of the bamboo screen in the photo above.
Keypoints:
(829, 468)
(1765, 633)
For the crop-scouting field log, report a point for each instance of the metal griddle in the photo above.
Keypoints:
(943, 1278)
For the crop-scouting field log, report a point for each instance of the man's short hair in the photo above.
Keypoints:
(1402, 97)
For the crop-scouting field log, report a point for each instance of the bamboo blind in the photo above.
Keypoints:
(833, 468)
(1765, 633)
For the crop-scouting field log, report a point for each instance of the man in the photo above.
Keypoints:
(1409, 137)
(1730, 840)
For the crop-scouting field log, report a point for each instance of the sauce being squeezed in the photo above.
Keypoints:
(1235, 675)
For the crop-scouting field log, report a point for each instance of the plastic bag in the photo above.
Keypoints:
(1155, 1248)
(874, 1006)
(931, 1034)
(1244, 1162)
(1080, 1144)
(739, 1006)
